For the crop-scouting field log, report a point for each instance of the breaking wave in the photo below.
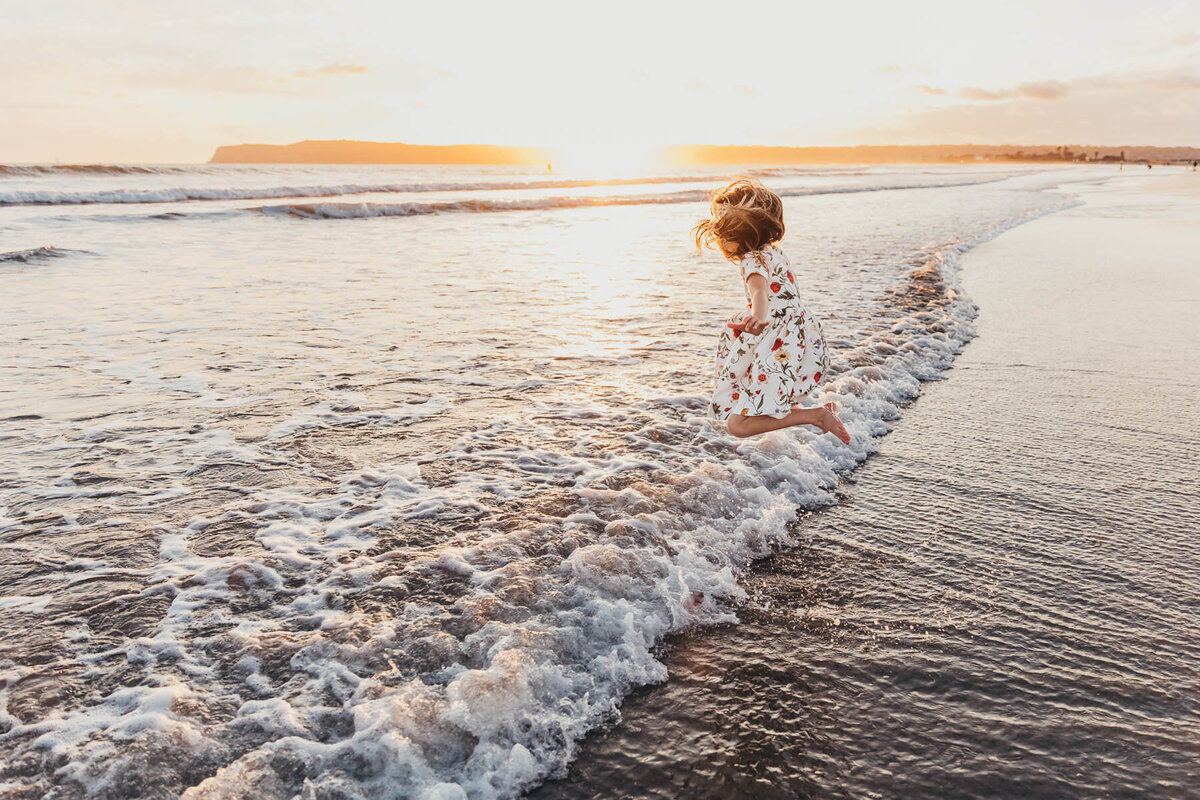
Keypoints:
(181, 194)
(369, 210)
(33, 254)
(184, 194)
(90, 169)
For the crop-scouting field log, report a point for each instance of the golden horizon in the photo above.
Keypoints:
(929, 71)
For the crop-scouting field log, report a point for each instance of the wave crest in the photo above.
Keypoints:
(370, 210)
(32, 254)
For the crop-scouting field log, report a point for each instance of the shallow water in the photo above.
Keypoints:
(1003, 603)
(401, 506)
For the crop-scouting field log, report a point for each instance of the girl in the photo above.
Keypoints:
(773, 354)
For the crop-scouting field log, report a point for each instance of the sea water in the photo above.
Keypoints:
(390, 481)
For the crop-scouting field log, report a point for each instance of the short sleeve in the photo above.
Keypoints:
(754, 263)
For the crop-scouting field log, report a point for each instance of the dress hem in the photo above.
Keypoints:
(736, 412)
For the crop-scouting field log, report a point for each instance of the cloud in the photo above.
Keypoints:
(1035, 90)
(889, 69)
(1186, 39)
(1042, 90)
(927, 89)
(974, 93)
(1129, 106)
(1175, 81)
(215, 80)
(331, 69)
(240, 79)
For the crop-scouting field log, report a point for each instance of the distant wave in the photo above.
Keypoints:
(184, 194)
(172, 169)
(88, 169)
(33, 254)
(369, 210)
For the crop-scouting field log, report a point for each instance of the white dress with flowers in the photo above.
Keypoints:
(767, 374)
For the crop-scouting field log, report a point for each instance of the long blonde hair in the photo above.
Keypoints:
(743, 212)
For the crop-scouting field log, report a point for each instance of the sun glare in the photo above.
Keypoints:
(605, 159)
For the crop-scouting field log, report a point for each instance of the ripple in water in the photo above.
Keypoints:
(404, 508)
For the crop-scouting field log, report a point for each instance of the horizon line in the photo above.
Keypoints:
(543, 150)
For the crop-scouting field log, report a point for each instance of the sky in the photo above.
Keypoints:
(169, 81)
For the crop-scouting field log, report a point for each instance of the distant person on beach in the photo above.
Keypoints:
(772, 354)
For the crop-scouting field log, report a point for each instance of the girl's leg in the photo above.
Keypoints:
(825, 418)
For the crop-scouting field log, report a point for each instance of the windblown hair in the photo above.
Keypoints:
(744, 212)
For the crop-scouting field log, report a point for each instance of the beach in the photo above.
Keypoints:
(398, 482)
(1002, 602)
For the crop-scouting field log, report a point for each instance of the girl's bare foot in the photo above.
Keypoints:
(831, 423)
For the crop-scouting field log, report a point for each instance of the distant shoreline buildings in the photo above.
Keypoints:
(358, 152)
(943, 154)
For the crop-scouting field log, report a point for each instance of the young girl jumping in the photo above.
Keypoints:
(773, 354)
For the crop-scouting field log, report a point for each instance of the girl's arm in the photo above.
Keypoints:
(757, 285)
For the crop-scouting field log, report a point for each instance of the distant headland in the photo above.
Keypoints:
(343, 151)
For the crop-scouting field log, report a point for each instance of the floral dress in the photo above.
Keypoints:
(767, 374)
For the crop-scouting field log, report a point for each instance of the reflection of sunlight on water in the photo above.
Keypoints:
(604, 271)
(612, 286)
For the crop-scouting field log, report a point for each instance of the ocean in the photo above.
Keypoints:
(395, 482)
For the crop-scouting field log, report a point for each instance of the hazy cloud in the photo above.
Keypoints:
(1042, 90)
(889, 69)
(927, 89)
(216, 80)
(240, 79)
(1134, 106)
(975, 93)
(331, 69)
(1186, 39)
(1189, 82)
(1159, 81)
(1036, 90)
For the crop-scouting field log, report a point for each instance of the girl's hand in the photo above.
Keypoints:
(748, 323)
(754, 321)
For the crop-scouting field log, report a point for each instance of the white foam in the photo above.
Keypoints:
(25, 603)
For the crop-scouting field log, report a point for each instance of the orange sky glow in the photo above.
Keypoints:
(168, 81)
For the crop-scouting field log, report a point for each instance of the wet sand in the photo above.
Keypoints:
(1003, 604)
